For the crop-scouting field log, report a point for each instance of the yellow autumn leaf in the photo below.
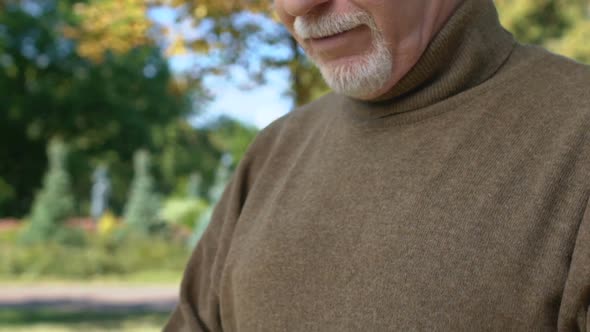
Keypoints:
(201, 11)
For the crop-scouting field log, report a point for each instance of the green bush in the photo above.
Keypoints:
(183, 211)
(100, 256)
(54, 204)
(141, 211)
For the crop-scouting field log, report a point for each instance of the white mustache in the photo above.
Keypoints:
(331, 24)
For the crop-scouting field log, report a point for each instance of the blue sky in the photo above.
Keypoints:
(257, 106)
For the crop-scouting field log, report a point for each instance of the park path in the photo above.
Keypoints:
(100, 297)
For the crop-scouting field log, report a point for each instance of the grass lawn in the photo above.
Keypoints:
(48, 320)
(158, 262)
(145, 277)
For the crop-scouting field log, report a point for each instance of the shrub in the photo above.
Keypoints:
(141, 211)
(100, 256)
(54, 203)
(183, 210)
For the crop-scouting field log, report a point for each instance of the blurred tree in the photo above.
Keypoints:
(227, 140)
(54, 204)
(231, 137)
(109, 25)
(248, 34)
(562, 26)
(141, 211)
(7, 195)
(575, 43)
(105, 109)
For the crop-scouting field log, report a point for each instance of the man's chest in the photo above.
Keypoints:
(456, 238)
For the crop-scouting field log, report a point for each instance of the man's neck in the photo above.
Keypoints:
(407, 56)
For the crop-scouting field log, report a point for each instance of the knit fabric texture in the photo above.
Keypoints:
(458, 202)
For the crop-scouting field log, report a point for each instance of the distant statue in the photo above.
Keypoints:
(101, 190)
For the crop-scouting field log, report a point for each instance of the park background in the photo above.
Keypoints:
(120, 123)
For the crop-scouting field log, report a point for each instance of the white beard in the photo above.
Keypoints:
(364, 74)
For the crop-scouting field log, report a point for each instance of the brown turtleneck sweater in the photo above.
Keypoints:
(459, 203)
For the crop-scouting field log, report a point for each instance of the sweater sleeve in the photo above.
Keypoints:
(574, 312)
(198, 307)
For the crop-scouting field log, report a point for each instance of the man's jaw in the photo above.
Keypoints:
(355, 74)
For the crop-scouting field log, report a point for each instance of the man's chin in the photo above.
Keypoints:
(348, 60)
(350, 79)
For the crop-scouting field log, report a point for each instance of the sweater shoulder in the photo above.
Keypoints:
(308, 116)
(286, 135)
(297, 124)
(545, 72)
(551, 86)
(549, 94)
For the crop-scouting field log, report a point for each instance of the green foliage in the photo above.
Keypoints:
(141, 212)
(180, 151)
(105, 110)
(183, 210)
(533, 21)
(54, 203)
(575, 42)
(101, 256)
(7, 195)
(230, 136)
(562, 26)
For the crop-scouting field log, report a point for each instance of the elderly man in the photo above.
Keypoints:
(444, 185)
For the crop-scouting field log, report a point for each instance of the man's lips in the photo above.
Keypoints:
(338, 43)
(331, 36)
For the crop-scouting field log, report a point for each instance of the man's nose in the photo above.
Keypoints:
(302, 7)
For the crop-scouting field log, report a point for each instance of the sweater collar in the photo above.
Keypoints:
(468, 50)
